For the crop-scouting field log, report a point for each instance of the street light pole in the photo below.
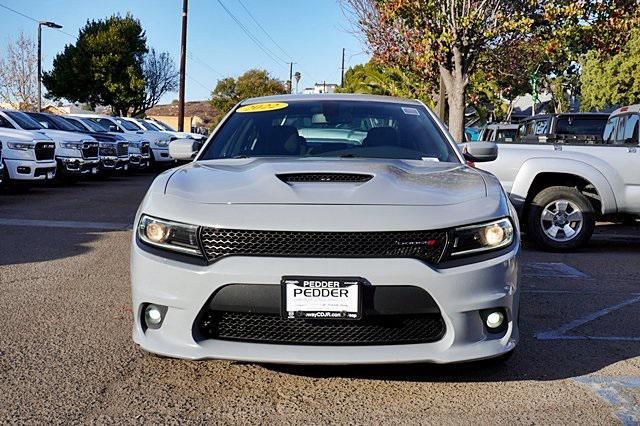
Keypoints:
(40, 25)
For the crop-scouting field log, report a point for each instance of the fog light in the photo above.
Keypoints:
(154, 315)
(495, 319)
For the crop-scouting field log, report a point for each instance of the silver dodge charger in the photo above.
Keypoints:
(329, 229)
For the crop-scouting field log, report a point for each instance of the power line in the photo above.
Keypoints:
(34, 19)
(201, 62)
(275, 58)
(273, 40)
(263, 30)
(197, 82)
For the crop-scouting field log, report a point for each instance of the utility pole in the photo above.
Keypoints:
(342, 69)
(183, 66)
(291, 77)
(40, 25)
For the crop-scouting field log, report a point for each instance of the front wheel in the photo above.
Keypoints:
(561, 218)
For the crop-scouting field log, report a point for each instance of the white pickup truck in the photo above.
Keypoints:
(25, 157)
(561, 186)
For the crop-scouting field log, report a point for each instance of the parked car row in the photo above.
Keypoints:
(37, 146)
(564, 172)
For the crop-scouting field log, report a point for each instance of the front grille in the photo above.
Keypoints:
(144, 148)
(90, 150)
(107, 151)
(324, 177)
(123, 149)
(45, 151)
(272, 328)
(424, 245)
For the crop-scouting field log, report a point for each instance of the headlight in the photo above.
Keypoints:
(71, 145)
(168, 235)
(162, 144)
(20, 146)
(479, 238)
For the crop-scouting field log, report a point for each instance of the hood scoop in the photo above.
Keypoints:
(323, 177)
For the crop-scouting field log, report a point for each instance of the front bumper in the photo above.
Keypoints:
(29, 170)
(74, 166)
(112, 163)
(139, 161)
(460, 293)
(161, 155)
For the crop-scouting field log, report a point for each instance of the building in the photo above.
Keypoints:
(323, 87)
(64, 109)
(198, 115)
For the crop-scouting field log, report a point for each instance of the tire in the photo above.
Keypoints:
(6, 182)
(564, 212)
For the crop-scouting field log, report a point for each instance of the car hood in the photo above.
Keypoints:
(153, 135)
(21, 135)
(261, 181)
(62, 136)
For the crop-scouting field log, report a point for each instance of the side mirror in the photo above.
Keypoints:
(480, 152)
(183, 149)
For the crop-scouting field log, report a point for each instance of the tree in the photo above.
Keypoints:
(103, 67)
(440, 39)
(18, 74)
(612, 80)
(451, 39)
(375, 79)
(253, 83)
(160, 78)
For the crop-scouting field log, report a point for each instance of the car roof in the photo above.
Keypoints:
(626, 109)
(330, 97)
(91, 115)
(566, 114)
(502, 126)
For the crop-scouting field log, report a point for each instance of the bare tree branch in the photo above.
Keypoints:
(18, 73)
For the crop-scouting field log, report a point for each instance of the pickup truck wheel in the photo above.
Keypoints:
(561, 218)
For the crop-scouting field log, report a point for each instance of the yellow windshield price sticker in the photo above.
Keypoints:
(267, 106)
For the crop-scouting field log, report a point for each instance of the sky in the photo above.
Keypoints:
(309, 32)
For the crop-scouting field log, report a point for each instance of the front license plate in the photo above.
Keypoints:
(321, 297)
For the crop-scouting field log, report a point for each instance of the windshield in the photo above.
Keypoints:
(163, 126)
(316, 128)
(128, 125)
(153, 125)
(506, 135)
(24, 121)
(147, 125)
(75, 124)
(62, 124)
(573, 125)
(93, 125)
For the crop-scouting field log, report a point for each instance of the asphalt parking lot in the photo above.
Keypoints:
(66, 354)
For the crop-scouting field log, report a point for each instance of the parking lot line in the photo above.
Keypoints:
(551, 270)
(560, 333)
(101, 226)
(617, 392)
